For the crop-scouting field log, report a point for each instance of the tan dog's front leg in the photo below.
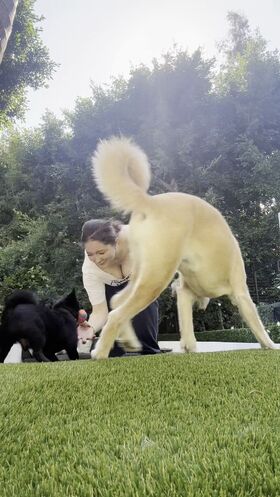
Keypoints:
(107, 337)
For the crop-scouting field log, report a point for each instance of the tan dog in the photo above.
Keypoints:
(168, 233)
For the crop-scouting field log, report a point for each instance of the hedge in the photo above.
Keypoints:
(229, 335)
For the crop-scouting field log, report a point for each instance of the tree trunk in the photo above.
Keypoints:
(7, 14)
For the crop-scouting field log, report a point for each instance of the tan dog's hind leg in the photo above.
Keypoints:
(185, 301)
(249, 313)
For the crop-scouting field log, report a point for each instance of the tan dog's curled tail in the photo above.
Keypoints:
(122, 173)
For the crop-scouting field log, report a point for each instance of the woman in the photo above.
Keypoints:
(106, 271)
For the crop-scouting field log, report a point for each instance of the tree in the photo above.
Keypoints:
(26, 63)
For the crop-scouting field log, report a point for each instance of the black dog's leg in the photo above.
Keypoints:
(50, 355)
(72, 353)
(40, 356)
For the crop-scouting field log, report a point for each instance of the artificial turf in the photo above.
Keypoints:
(169, 425)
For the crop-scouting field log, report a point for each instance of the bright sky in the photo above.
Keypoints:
(97, 39)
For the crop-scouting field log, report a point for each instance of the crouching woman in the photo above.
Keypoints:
(106, 271)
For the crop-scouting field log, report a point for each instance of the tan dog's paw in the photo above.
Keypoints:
(269, 345)
(99, 353)
(131, 345)
(95, 355)
(128, 339)
(188, 347)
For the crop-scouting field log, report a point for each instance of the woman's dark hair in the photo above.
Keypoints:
(100, 230)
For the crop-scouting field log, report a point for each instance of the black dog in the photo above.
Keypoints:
(36, 326)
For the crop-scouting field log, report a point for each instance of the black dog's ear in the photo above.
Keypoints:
(71, 295)
(72, 298)
(69, 300)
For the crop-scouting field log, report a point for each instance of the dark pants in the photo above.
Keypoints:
(145, 325)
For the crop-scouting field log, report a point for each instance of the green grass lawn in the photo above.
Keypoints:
(171, 425)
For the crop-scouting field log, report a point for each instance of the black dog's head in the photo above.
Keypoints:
(69, 303)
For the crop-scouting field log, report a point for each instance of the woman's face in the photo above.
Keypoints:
(101, 254)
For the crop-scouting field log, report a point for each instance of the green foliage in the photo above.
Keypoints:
(26, 63)
(22, 260)
(34, 277)
(243, 335)
(237, 335)
(265, 311)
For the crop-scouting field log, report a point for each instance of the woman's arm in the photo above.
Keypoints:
(96, 294)
(98, 317)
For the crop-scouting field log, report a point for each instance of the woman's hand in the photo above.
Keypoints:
(84, 324)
